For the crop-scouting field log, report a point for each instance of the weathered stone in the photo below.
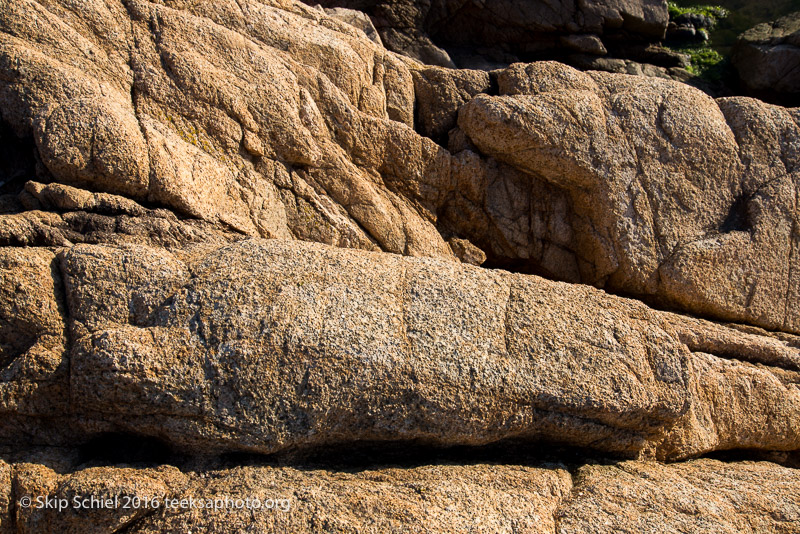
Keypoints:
(675, 213)
(6, 499)
(212, 116)
(88, 217)
(148, 146)
(767, 60)
(445, 498)
(94, 500)
(33, 364)
(696, 496)
(466, 251)
(700, 495)
(465, 27)
(289, 145)
(265, 346)
(585, 43)
(358, 19)
(416, 335)
(439, 95)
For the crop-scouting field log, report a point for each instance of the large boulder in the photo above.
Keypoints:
(267, 346)
(670, 195)
(224, 115)
(767, 60)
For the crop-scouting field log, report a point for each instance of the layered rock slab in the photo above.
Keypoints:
(697, 496)
(57, 215)
(701, 495)
(265, 346)
(444, 498)
(270, 345)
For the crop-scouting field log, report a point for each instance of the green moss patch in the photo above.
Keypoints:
(714, 12)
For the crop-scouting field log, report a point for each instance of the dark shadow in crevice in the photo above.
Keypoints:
(17, 160)
(738, 218)
(131, 449)
(494, 84)
(366, 455)
(784, 458)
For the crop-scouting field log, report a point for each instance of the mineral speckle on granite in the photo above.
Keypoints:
(265, 346)
(248, 252)
(695, 496)
(273, 119)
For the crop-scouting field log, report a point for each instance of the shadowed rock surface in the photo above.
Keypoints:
(478, 34)
(767, 60)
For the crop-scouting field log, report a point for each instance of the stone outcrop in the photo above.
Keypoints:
(704, 217)
(478, 34)
(625, 497)
(264, 346)
(213, 117)
(767, 60)
(483, 498)
(244, 236)
(633, 190)
(696, 496)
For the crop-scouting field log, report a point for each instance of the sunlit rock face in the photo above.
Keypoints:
(247, 251)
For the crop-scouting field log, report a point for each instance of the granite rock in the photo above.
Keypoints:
(767, 60)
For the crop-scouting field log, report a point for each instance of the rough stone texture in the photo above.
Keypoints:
(703, 217)
(475, 498)
(147, 147)
(439, 95)
(222, 113)
(444, 498)
(78, 513)
(505, 29)
(585, 44)
(78, 216)
(269, 345)
(33, 365)
(301, 129)
(696, 496)
(359, 19)
(767, 60)
(466, 251)
(329, 346)
(6, 499)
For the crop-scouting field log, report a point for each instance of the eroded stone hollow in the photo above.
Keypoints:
(248, 252)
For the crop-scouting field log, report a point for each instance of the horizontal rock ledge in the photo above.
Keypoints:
(265, 346)
(629, 496)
